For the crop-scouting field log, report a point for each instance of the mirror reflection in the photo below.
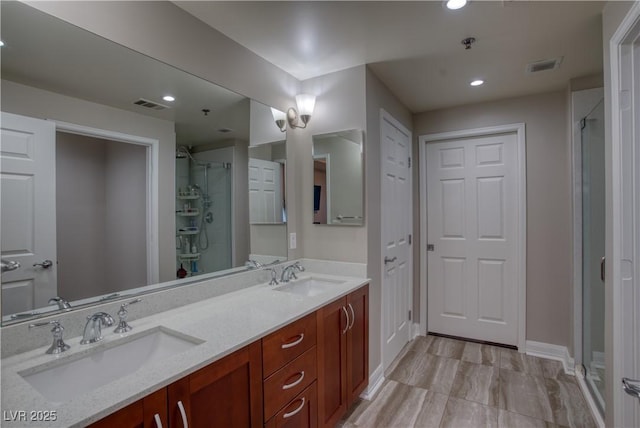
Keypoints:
(338, 172)
(111, 188)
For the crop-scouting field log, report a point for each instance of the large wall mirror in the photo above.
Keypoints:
(338, 173)
(110, 189)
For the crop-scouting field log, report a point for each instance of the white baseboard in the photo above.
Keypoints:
(552, 352)
(589, 399)
(376, 379)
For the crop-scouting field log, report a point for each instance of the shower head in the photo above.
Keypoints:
(183, 152)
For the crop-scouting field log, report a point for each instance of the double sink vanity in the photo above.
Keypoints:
(291, 354)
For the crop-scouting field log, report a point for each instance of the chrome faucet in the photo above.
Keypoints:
(58, 344)
(253, 264)
(62, 303)
(289, 273)
(93, 328)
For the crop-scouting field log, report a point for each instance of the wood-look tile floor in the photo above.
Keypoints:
(439, 382)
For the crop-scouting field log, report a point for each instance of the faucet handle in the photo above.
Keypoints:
(123, 314)
(58, 344)
(299, 266)
(274, 279)
(62, 303)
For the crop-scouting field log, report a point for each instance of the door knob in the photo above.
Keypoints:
(9, 265)
(44, 265)
(389, 260)
(631, 387)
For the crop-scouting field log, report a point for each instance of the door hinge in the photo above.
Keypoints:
(410, 239)
(409, 162)
(431, 247)
(409, 315)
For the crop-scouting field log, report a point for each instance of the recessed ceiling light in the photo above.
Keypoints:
(477, 82)
(456, 4)
(168, 98)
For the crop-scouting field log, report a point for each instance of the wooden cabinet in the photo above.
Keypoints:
(226, 393)
(304, 375)
(343, 354)
(290, 364)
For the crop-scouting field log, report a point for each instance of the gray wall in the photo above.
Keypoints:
(29, 101)
(549, 222)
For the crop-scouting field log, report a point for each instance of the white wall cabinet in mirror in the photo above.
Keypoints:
(139, 186)
(338, 174)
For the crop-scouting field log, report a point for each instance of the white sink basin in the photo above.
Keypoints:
(85, 372)
(309, 286)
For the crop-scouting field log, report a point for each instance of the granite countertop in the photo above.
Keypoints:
(225, 324)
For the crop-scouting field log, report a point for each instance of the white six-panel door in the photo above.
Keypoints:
(472, 225)
(265, 191)
(28, 211)
(396, 228)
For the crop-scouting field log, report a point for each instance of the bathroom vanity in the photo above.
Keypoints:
(294, 354)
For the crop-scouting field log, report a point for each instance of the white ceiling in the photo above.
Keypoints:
(414, 47)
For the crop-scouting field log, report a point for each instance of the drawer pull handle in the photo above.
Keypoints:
(296, 411)
(185, 424)
(156, 417)
(346, 314)
(292, 384)
(353, 317)
(294, 343)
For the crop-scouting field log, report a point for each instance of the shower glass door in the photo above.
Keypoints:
(593, 250)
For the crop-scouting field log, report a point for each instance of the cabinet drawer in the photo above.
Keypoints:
(289, 381)
(301, 412)
(287, 343)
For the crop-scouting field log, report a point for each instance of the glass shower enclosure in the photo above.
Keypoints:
(593, 250)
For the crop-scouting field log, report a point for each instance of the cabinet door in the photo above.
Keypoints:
(358, 343)
(301, 412)
(140, 414)
(332, 355)
(227, 393)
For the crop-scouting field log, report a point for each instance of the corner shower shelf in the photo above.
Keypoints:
(190, 256)
(188, 232)
(188, 197)
(191, 213)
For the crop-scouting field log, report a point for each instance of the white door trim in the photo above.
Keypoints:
(521, 177)
(620, 408)
(153, 146)
(385, 116)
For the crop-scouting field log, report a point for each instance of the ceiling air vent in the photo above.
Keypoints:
(547, 64)
(150, 104)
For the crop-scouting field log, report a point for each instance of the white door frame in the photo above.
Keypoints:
(521, 177)
(152, 145)
(384, 115)
(623, 256)
(327, 175)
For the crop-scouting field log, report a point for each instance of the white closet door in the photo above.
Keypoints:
(265, 191)
(472, 225)
(396, 228)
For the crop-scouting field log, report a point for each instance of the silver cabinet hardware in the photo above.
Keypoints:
(123, 326)
(389, 260)
(183, 414)
(295, 382)
(9, 265)
(296, 411)
(346, 314)
(353, 317)
(294, 343)
(156, 418)
(58, 344)
(44, 265)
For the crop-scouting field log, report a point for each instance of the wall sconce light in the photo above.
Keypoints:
(305, 103)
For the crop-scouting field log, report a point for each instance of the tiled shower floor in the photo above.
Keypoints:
(440, 382)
